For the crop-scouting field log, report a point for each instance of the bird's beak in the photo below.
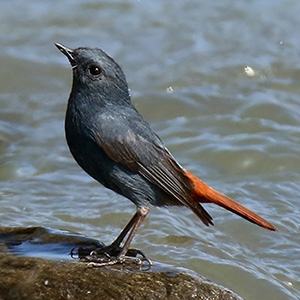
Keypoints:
(67, 52)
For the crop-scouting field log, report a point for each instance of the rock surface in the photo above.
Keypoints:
(33, 278)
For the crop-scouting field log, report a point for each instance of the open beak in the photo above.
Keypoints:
(67, 52)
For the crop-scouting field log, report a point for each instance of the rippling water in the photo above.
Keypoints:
(185, 63)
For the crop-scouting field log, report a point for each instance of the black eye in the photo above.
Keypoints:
(95, 70)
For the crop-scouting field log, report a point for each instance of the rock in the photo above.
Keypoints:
(34, 278)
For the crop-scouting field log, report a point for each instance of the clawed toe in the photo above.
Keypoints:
(122, 260)
(111, 255)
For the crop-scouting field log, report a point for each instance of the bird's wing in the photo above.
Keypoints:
(151, 160)
(155, 163)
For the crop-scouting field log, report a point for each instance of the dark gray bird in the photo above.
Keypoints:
(112, 142)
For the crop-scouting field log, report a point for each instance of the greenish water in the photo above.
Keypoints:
(184, 62)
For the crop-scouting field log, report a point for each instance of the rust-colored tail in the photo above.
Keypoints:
(205, 194)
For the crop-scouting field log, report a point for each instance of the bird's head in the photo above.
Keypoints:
(95, 71)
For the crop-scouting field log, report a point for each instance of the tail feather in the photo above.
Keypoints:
(205, 194)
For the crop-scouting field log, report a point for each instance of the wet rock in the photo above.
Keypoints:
(37, 278)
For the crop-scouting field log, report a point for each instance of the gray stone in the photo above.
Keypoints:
(33, 278)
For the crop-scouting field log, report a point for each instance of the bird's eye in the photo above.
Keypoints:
(95, 70)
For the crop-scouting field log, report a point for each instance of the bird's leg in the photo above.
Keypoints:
(117, 242)
(132, 226)
(141, 214)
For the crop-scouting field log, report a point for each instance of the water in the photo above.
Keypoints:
(184, 62)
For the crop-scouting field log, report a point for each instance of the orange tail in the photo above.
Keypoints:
(203, 193)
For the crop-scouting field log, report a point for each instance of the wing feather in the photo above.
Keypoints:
(156, 164)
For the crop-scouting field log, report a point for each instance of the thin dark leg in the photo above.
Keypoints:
(132, 227)
(138, 219)
(124, 232)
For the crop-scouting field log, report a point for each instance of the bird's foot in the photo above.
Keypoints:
(112, 255)
(142, 262)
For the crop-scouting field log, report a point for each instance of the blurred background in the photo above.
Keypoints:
(185, 64)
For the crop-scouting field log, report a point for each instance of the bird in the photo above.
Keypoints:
(115, 145)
